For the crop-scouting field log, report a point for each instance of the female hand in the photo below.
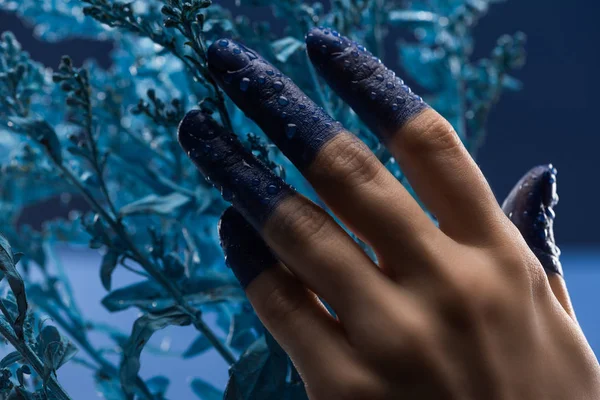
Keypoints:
(462, 310)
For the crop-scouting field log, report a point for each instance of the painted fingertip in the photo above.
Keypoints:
(245, 251)
(381, 99)
(241, 178)
(530, 206)
(294, 123)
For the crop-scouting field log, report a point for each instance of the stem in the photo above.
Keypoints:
(35, 363)
(151, 268)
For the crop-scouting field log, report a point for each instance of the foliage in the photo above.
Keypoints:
(109, 137)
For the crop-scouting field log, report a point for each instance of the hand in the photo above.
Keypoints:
(462, 310)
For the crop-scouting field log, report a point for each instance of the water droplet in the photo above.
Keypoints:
(400, 100)
(361, 48)
(244, 84)
(290, 130)
(284, 115)
(327, 125)
(354, 53)
(278, 85)
(335, 33)
(206, 147)
(272, 189)
(237, 50)
(390, 85)
(283, 101)
(315, 118)
(262, 79)
(395, 107)
(255, 181)
(373, 95)
(326, 32)
(270, 72)
(279, 75)
(302, 106)
(379, 78)
(324, 49)
(223, 43)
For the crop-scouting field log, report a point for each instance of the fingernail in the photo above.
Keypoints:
(241, 179)
(530, 206)
(246, 253)
(298, 126)
(380, 98)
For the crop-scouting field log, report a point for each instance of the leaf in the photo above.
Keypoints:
(150, 295)
(259, 374)
(54, 348)
(198, 346)
(40, 131)
(109, 263)
(243, 330)
(108, 386)
(153, 204)
(7, 267)
(205, 391)
(285, 47)
(158, 385)
(10, 359)
(143, 329)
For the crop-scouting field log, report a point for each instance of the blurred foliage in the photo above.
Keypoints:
(109, 137)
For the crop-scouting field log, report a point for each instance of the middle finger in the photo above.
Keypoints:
(342, 169)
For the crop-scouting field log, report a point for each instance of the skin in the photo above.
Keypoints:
(460, 310)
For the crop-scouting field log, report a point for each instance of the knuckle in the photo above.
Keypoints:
(436, 135)
(305, 221)
(281, 304)
(347, 159)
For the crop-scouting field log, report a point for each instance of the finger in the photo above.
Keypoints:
(310, 243)
(294, 315)
(530, 206)
(428, 149)
(344, 172)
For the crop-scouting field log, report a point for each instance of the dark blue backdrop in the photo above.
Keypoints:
(552, 120)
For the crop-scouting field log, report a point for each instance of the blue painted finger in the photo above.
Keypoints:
(375, 93)
(242, 179)
(246, 253)
(530, 206)
(295, 123)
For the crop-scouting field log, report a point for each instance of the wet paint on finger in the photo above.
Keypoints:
(298, 126)
(246, 253)
(530, 206)
(381, 99)
(242, 179)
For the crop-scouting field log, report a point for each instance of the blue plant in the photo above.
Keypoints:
(109, 137)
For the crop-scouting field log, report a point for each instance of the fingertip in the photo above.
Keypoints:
(530, 206)
(245, 251)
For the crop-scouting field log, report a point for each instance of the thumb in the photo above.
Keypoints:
(530, 206)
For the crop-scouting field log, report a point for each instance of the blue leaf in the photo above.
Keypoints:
(258, 375)
(153, 204)
(109, 263)
(158, 385)
(7, 267)
(285, 47)
(40, 131)
(205, 391)
(143, 329)
(10, 359)
(198, 346)
(150, 295)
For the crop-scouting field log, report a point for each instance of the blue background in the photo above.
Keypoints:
(553, 119)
